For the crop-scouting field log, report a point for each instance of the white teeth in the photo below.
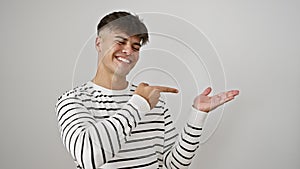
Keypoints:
(123, 60)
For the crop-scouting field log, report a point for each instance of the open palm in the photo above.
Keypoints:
(206, 103)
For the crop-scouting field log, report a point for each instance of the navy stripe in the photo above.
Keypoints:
(75, 144)
(146, 130)
(136, 111)
(123, 128)
(98, 101)
(185, 149)
(110, 142)
(182, 156)
(151, 122)
(190, 134)
(166, 132)
(78, 125)
(131, 116)
(194, 127)
(82, 148)
(165, 159)
(101, 144)
(118, 138)
(179, 162)
(69, 98)
(103, 108)
(128, 123)
(154, 114)
(72, 116)
(74, 108)
(71, 137)
(167, 139)
(191, 143)
(168, 123)
(92, 153)
(121, 95)
(63, 131)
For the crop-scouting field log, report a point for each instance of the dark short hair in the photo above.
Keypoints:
(127, 22)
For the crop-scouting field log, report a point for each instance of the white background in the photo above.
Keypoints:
(257, 41)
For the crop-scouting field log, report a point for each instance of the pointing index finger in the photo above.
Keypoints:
(166, 89)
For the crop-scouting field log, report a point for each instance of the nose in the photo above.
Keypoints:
(127, 49)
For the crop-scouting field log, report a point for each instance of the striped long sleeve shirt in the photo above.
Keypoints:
(113, 129)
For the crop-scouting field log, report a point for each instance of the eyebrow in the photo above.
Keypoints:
(125, 39)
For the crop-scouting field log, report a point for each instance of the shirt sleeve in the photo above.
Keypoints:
(179, 152)
(92, 143)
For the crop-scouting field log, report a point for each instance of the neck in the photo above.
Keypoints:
(110, 80)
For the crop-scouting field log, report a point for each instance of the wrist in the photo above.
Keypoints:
(200, 109)
(140, 103)
(197, 117)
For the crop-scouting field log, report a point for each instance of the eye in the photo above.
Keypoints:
(136, 48)
(120, 42)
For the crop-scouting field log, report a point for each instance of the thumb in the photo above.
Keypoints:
(143, 84)
(206, 91)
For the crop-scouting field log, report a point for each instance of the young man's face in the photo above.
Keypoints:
(118, 52)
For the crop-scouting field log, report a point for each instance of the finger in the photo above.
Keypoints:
(143, 84)
(232, 93)
(228, 99)
(206, 91)
(165, 89)
(224, 97)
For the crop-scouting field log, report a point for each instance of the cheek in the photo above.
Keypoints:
(136, 57)
(115, 47)
(110, 49)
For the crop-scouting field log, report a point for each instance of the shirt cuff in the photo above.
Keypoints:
(197, 117)
(140, 103)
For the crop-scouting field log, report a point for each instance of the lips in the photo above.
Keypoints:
(122, 59)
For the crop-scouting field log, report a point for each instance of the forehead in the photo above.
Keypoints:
(122, 35)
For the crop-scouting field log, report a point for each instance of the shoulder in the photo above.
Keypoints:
(74, 94)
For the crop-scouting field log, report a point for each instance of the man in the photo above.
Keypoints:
(110, 123)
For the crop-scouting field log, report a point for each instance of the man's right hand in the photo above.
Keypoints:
(152, 93)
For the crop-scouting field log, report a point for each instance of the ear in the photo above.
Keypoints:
(98, 44)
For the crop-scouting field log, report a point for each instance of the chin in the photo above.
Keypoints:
(121, 73)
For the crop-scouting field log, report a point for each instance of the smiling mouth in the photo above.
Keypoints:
(123, 60)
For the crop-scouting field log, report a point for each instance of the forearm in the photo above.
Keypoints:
(182, 153)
